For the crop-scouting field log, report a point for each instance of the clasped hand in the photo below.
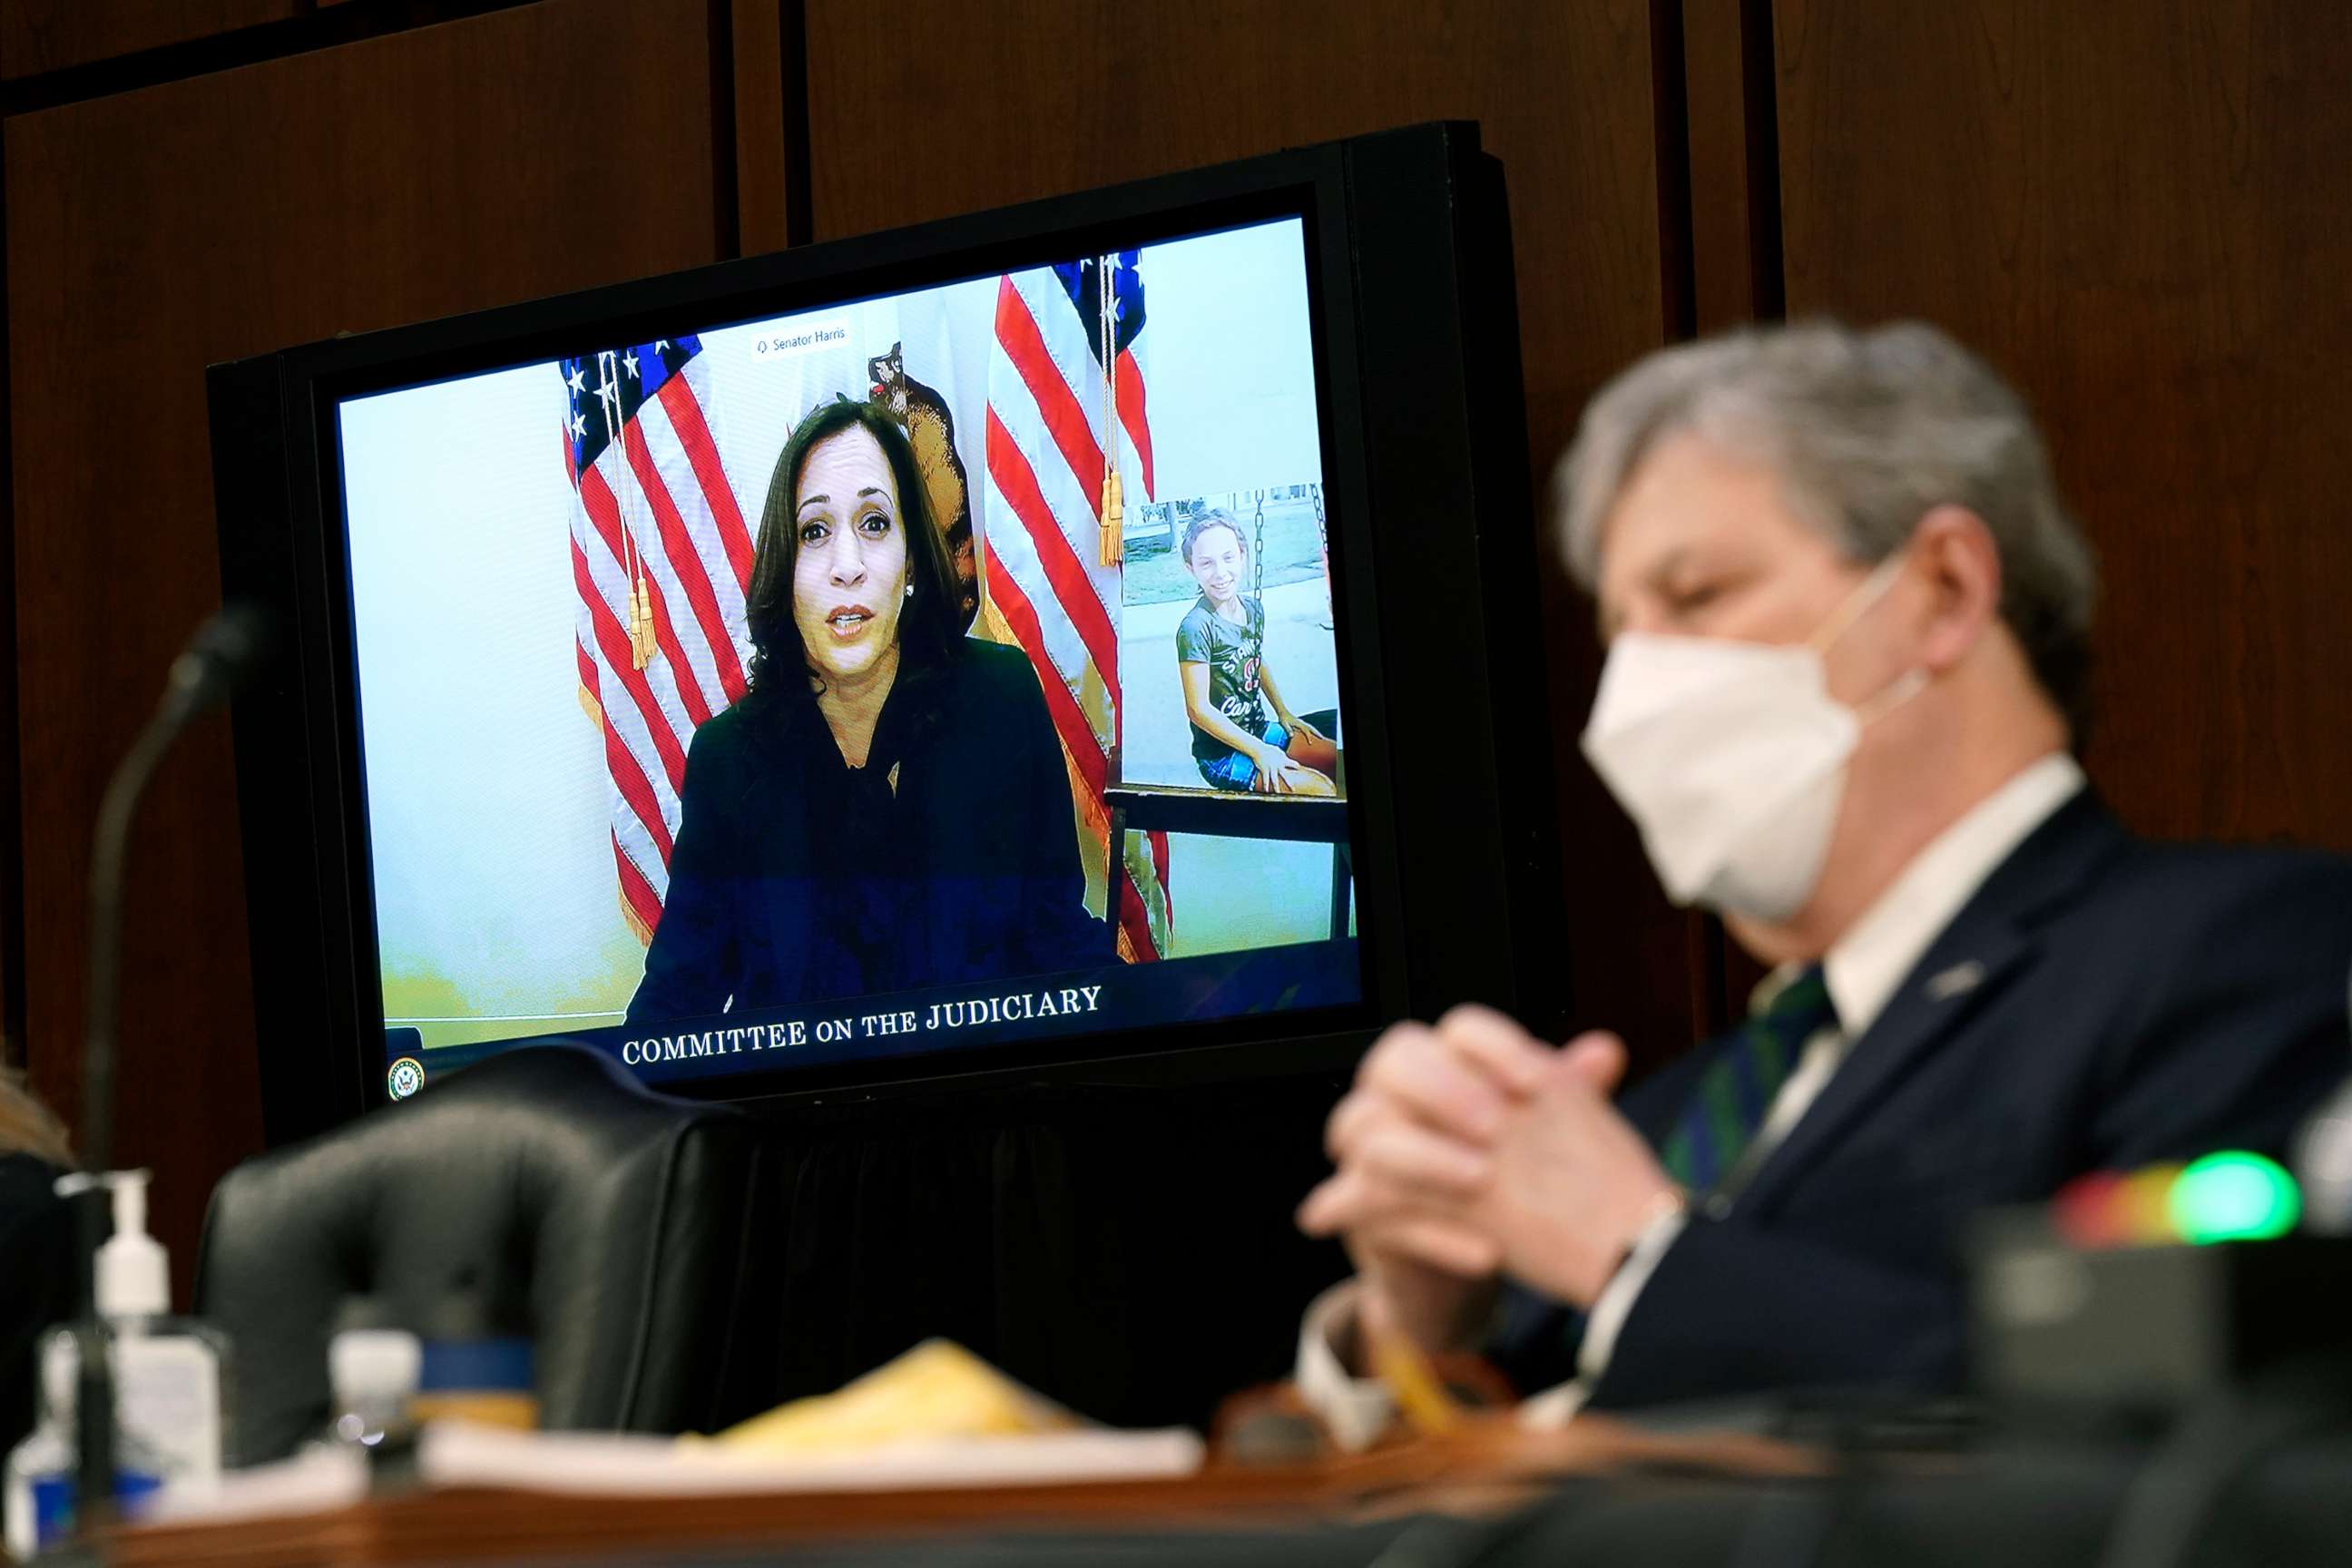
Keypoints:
(1471, 1148)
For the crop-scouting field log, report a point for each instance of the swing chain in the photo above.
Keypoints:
(1257, 551)
(1323, 538)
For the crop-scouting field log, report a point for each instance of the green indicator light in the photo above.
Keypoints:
(2234, 1197)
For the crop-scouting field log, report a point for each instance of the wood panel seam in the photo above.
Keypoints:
(311, 31)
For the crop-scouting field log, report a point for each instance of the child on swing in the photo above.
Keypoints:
(1228, 686)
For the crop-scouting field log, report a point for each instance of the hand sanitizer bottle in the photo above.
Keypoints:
(42, 1472)
(169, 1372)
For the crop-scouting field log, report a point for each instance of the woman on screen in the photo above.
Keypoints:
(1229, 687)
(887, 807)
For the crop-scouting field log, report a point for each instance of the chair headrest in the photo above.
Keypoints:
(541, 1192)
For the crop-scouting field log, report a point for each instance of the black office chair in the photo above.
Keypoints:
(541, 1192)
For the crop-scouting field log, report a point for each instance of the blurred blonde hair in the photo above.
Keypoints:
(28, 1126)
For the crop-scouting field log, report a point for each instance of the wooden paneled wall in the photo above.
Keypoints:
(37, 37)
(2137, 209)
(2141, 210)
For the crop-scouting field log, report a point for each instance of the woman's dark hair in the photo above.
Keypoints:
(930, 626)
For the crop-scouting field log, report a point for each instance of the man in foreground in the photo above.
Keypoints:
(1848, 622)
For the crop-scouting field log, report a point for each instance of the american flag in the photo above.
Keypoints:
(1053, 415)
(662, 560)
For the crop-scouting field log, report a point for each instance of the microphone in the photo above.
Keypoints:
(221, 657)
(223, 653)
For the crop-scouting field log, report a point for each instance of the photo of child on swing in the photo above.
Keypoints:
(1248, 703)
(1244, 737)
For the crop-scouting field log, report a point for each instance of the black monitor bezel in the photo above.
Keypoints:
(1309, 185)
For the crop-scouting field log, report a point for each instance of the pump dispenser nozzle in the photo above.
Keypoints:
(134, 1275)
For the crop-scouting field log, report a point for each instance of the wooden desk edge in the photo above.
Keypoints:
(1487, 1463)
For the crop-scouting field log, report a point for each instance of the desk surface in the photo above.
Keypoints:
(1481, 1472)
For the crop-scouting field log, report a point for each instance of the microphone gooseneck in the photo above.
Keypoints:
(224, 652)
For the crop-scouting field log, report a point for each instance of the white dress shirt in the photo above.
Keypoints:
(1862, 970)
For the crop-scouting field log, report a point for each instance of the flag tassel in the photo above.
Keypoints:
(641, 625)
(1114, 503)
(1114, 510)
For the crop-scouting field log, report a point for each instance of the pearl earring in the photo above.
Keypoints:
(910, 590)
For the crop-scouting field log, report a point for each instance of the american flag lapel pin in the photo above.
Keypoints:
(1958, 981)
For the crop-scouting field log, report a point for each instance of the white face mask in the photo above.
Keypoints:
(1731, 757)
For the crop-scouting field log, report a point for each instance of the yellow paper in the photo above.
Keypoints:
(936, 1390)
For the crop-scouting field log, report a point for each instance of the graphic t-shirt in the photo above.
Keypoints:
(1232, 653)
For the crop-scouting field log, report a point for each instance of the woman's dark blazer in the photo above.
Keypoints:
(980, 860)
(36, 1281)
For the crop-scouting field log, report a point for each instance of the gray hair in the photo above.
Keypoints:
(1868, 431)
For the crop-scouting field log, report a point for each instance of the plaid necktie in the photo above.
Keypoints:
(1740, 1085)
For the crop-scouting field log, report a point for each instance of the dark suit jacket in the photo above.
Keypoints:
(2102, 1002)
(795, 878)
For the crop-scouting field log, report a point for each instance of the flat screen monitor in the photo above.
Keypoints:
(962, 651)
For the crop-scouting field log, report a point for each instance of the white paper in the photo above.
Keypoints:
(313, 1481)
(453, 1454)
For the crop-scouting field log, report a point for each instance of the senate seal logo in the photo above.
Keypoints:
(406, 1077)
